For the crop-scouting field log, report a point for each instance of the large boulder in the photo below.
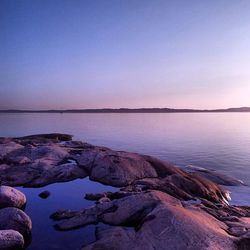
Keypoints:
(159, 206)
(11, 240)
(155, 220)
(11, 197)
(113, 238)
(16, 219)
(35, 166)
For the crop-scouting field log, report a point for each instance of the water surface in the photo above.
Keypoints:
(218, 141)
(69, 195)
(214, 140)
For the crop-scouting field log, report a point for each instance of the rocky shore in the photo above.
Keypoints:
(158, 206)
(15, 225)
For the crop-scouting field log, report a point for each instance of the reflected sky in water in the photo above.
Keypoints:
(213, 140)
(68, 195)
(218, 141)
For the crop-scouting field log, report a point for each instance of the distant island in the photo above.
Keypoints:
(128, 110)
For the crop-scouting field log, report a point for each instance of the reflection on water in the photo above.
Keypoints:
(68, 195)
(218, 141)
(214, 140)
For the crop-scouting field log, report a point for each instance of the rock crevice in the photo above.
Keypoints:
(159, 206)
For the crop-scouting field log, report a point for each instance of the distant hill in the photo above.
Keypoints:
(127, 110)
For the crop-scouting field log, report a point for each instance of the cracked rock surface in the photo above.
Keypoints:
(159, 206)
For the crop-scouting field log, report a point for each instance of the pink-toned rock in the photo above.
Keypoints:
(11, 197)
(16, 219)
(159, 206)
(160, 222)
(11, 240)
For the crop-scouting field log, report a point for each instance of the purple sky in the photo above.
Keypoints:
(113, 53)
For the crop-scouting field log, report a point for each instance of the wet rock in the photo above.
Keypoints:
(11, 240)
(81, 219)
(7, 147)
(103, 199)
(53, 161)
(16, 219)
(213, 176)
(45, 166)
(244, 242)
(159, 220)
(11, 197)
(186, 187)
(154, 219)
(158, 204)
(63, 214)
(237, 231)
(94, 197)
(118, 168)
(113, 238)
(123, 168)
(44, 194)
(46, 137)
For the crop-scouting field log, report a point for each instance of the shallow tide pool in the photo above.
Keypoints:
(67, 195)
(219, 141)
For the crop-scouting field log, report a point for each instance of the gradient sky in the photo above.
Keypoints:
(130, 53)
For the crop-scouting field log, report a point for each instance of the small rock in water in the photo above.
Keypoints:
(62, 214)
(94, 197)
(159, 206)
(103, 199)
(44, 194)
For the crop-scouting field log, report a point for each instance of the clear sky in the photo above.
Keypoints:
(124, 53)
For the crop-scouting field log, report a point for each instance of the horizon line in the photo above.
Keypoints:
(127, 110)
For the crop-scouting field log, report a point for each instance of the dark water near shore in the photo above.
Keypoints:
(68, 195)
(218, 141)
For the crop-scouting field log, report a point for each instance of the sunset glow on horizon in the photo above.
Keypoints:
(131, 54)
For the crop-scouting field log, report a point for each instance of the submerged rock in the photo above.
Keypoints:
(58, 161)
(113, 238)
(63, 214)
(11, 240)
(213, 175)
(94, 197)
(11, 197)
(45, 194)
(159, 206)
(153, 220)
(156, 220)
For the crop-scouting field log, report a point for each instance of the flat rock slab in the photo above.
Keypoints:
(35, 161)
(156, 220)
(159, 206)
(153, 220)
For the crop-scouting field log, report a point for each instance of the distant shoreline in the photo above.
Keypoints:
(127, 110)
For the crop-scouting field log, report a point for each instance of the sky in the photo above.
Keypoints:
(58, 54)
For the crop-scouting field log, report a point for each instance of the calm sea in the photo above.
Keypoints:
(219, 141)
